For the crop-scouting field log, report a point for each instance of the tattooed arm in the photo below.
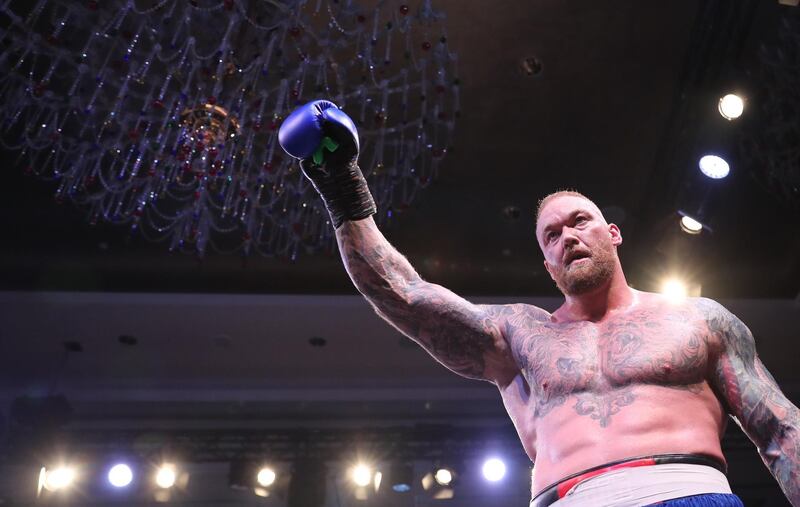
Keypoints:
(754, 399)
(464, 337)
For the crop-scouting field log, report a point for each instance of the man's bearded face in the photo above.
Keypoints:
(577, 244)
(588, 273)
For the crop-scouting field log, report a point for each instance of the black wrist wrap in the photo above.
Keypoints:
(343, 189)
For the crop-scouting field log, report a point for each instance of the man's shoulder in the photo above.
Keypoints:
(724, 327)
(517, 313)
(703, 307)
(709, 309)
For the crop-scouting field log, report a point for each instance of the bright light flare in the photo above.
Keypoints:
(731, 106)
(165, 477)
(494, 469)
(714, 167)
(674, 289)
(120, 475)
(362, 475)
(443, 477)
(58, 478)
(266, 477)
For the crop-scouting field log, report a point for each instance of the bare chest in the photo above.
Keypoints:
(655, 346)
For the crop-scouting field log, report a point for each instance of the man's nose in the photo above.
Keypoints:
(568, 235)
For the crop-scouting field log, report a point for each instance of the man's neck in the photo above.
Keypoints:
(594, 306)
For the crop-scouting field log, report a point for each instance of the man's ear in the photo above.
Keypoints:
(549, 269)
(616, 234)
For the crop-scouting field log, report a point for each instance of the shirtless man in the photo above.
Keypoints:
(620, 397)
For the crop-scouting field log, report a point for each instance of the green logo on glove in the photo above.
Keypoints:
(326, 144)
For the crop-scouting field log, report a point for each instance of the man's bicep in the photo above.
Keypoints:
(464, 337)
(748, 389)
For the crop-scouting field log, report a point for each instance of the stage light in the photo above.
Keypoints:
(494, 469)
(120, 475)
(435, 489)
(266, 477)
(674, 289)
(691, 226)
(361, 475)
(42, 479)
(399, 477)
(59, 478)
(442, 480)
(714, 167)
(165, 477)
(731, 106)
(443, 477)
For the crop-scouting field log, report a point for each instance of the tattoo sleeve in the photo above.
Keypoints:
(464, 337)
(754, 399)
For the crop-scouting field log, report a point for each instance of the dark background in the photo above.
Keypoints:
(624, 106)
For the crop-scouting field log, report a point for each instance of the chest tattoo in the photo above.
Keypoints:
(599, 368)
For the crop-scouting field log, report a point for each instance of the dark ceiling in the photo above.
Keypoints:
(624, 106)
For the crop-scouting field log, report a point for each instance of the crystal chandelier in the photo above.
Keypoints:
(163, 115)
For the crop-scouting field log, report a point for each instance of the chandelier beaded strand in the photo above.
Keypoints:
(164, 115)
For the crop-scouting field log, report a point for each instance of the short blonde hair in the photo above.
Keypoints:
(559, 193)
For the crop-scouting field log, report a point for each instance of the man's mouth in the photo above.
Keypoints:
(576, 256)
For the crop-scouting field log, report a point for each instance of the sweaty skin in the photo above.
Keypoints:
(613, 373)
(635, 383)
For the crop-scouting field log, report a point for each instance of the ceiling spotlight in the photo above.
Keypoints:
(691, 226)
(674, 289)
(494, 469)
(120, 475)
(58, 478)
(731, 106)
(714, 167)
(530, 66)
(165, 477)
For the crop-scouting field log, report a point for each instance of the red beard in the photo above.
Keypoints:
(582, 276)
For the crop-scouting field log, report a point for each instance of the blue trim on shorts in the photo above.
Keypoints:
(707, 500)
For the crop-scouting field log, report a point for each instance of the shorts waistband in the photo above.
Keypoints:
(558, 490)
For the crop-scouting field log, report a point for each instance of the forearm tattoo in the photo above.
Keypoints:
(457, 333)
(753, 397)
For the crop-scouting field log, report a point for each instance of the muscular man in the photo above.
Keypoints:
(620, 397)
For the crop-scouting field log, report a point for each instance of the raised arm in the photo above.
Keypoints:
(754, 399)
(466, 338)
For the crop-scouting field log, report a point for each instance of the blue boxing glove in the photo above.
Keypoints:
(325, 141)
